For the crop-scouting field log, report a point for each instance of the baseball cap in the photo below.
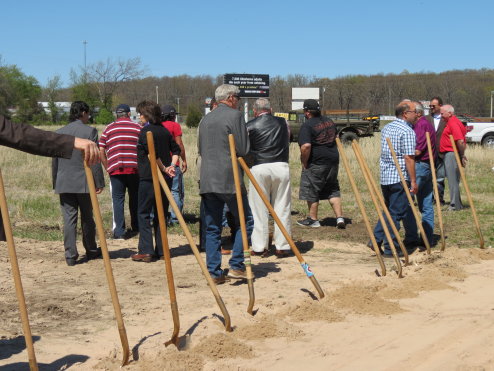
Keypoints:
(168, 109)
(311, 105)
(122, 108)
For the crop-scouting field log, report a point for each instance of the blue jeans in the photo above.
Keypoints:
(120, 183)
(397, 203)
(424, 197)
(227, 222)
(178, 192)
(212, 215)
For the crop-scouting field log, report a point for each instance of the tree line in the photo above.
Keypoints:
(105, 84)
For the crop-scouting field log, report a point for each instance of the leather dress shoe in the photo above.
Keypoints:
(262, 254)
(93, 254)
(282, 253)
(146, 258)
(371, 247)
(71, 262)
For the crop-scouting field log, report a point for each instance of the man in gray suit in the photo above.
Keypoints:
(69, 181)
(217, 185)
(439, 124)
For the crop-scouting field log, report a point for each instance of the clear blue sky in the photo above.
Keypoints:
(320, 38)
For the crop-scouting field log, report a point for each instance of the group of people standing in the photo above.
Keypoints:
(124, 153)
(264, 142)
(408, 136)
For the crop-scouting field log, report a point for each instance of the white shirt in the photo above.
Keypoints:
(437, 118)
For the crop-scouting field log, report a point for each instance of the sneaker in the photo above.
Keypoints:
(308, 222)
(237, 274)
(340, 223)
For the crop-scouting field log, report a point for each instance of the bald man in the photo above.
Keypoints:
(455, 128)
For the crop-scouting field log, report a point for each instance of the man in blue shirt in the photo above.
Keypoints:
(402, 136)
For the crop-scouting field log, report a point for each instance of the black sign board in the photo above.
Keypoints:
(251, 86)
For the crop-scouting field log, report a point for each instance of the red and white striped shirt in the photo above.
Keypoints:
(119, 139)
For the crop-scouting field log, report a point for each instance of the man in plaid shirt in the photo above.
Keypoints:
(402, 136)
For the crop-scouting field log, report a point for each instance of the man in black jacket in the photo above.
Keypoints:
(269, 148)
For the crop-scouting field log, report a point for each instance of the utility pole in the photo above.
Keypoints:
(178, 105)
(85, 65)
(157, 101)
(492, 92)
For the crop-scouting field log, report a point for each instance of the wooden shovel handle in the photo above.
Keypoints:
(16, 275)
(107, 263)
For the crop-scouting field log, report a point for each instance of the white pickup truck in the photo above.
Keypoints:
(481, 133)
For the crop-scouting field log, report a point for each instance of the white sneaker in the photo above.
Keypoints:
(340, 223)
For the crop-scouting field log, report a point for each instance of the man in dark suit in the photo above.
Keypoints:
(69, 181)
(26, 138)
(439, 124)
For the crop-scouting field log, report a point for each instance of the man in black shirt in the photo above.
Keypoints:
(320, 158)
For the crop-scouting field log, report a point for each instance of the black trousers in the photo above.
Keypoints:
(70, 204)
(146, 206)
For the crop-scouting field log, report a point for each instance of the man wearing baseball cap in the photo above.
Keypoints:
(178, 189)
(320, 159)
(118, 147)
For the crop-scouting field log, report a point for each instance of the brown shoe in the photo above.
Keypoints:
(237, 274)
(282, 253)
(221, 279)
(146, 258)
(225, 251)
(262, 254)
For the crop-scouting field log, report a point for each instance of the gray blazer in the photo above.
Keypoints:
(213, 146)
(68, 174)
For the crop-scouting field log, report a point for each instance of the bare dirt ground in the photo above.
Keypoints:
(440, 316)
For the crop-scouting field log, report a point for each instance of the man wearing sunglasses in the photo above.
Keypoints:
(439, 124)
(403, 139)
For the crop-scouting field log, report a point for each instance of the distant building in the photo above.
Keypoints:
(64, 107)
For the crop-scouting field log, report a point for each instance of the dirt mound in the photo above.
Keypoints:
(363, 299)
(321, 310)
(269, 327)
(220, 346)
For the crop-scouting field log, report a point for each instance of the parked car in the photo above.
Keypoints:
(481, 133)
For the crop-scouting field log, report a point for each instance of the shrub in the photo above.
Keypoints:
(194, 116)
(104, 117)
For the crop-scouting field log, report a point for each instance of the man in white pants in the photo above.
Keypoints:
(269, 148)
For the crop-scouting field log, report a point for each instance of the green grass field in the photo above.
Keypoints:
(35, 213)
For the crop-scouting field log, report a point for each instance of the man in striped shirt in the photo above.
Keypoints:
(403, 139)
(118, 147)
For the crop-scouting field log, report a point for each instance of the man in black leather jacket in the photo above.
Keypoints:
(269, 148)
